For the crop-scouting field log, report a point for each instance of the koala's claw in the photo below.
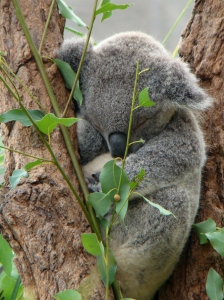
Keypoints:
(89, 180)
(93, 183)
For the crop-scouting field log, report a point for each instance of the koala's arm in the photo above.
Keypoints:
(170, 157)
(91, 143)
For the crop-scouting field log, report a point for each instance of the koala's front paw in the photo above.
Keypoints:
(93, 183)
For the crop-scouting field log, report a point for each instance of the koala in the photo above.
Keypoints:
(148, 245)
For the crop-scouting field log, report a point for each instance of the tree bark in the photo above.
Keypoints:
(41, 219)
(203, 48)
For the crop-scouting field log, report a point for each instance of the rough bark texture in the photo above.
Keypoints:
(40, 218)
(203, 48)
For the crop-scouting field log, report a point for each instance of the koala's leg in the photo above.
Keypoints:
(149, 245)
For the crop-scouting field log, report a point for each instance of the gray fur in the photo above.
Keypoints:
(149, 245)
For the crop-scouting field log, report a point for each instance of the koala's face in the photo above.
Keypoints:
(107, 102)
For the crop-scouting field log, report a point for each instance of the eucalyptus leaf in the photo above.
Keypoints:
(110, 177)
(104, 223)
(110, 7)
(69, 78)
(32, 164)
(50, 122)
(20, 116)
(217, 241)
(5, 255)
(67, 13)
(137, 179)
(122, 205)
(204, 227)
(161, 209)
(214, 285)
(16, 176)
(107, 14)
(112, 267)
(7, 284)
(144, 99)
(91, 244)
(2, 158)
(68, 295)
(101, 202)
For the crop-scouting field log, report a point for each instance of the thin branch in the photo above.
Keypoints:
(46, 25)
(28, 155)
(176, 22)
(23, 85)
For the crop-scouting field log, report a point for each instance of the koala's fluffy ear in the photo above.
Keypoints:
(71, 51)
(172, 83)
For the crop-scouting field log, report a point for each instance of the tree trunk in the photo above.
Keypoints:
(41, 219)
(203, 48)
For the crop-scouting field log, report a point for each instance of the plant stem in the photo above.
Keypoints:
(130, 122)
(176, 22)
(107, 265)
(82, 59)
(46, 26)
(28, 155)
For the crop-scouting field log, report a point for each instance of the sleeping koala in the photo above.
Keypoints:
(149, 245)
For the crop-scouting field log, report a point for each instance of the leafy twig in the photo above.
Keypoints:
(64, 130)
(82, 59)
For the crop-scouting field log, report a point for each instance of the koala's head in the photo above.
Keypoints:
(107, 83)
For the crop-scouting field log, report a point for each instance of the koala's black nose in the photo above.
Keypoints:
(117, 142)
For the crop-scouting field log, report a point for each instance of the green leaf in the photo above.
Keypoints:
(68, 295)
(20, 116)
(112, 267)
(7, 285)
(204, 227)
(50, 122)
(217, 241)
(32, 164)
(91, 244)
(109, 179)
(2, 158)
(67, 13)
(161, 209)
(107, 14)
(69, 78)
(110, 7)
(104, 223)
(101, 202)
(137, 179)
(16, 176)
(144, 99)
(214, 285)
(6, 255)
